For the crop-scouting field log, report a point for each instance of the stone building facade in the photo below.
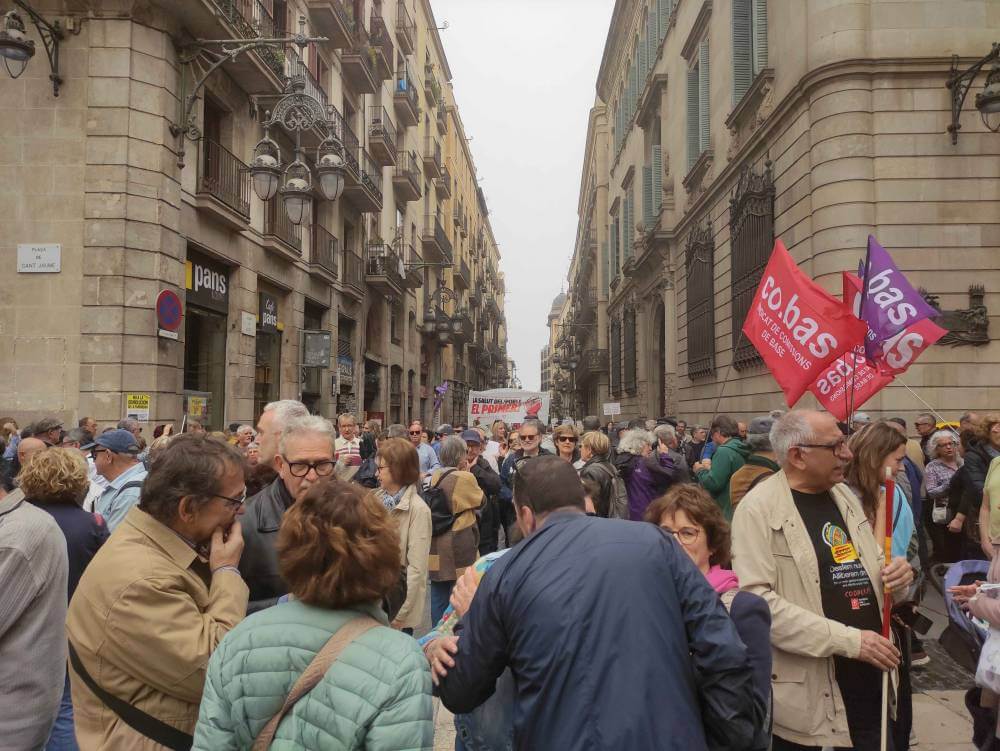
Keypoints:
(342, 311)
(721, 125)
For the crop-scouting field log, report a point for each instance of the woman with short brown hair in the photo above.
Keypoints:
(338, 551)
(566, 438)
(397, 468)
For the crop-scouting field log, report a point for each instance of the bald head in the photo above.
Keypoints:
(28, 447)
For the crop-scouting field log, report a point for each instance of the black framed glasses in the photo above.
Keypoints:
(233, 502)
(528, 437)
(567, 439)
(322, 468)
(416, 432)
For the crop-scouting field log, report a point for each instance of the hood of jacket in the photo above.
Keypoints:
(737, 445)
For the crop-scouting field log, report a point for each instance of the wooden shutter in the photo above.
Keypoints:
(664, 8)
(704, 109)
(647, 196)
(616, 356)
(652, 38)
(657, 180)
(759, 35)
(629, 334)
(742, 49)
(693, 152)
(643, 57)
(629, 220)
(700, 294)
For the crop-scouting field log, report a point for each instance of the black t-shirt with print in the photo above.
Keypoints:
(846, 588)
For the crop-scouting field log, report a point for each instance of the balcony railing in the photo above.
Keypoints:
(432, 157)
(432, 88)
(325, 249)
(381, 40)
(381, 135)
(442, 120)
(223, 176)
(383, 260)
(343, 132)
(252, 20)
(406, 98)
(406, 177)
(371, 175)
(406, 35)
(353, 270)
(296, 66)
(277, 224)
(441, 238)
(463, 268)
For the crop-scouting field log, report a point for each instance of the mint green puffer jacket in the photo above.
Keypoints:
(376, 696)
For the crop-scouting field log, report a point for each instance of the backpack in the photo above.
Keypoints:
(437, 501)
(618, 506)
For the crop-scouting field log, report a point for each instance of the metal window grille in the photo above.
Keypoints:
(751, 227)
(616, 356)
(699, 254)
(629, 332)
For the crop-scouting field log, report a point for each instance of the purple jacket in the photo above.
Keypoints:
(646, 478)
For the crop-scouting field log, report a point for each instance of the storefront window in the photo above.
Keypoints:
(205, 327)
(267, 373)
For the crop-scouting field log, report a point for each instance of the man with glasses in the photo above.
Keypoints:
(802, 542)
(428, 456)
(925, 424)
(305, 454)
(530, 433)
(156, 600)
(116, 459)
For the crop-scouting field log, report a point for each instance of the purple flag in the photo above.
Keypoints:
(889, 303)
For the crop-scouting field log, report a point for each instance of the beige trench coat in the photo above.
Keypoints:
(144, 620)
(773, 558)
(414, 520)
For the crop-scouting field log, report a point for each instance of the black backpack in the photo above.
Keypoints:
(437, 500)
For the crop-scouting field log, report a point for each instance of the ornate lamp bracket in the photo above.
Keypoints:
(959, 83)
(51, 34)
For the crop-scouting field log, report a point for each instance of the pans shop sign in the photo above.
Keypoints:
(207, 283)
(267, 315)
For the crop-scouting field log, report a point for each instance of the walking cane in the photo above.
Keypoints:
(890, 494)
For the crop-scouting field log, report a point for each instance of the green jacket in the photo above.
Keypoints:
(728, 458)
(377, 695)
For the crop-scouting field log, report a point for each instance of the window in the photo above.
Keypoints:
(628, 235)
(394, 322)
(616, 261)
(630, 354)
(698, 140)
(751, 228)
(700, 302)
(652, 183)
(607, 270)
(749, 44)
(616, 356)
(664, 9)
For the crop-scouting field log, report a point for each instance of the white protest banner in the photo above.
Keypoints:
(513, 406)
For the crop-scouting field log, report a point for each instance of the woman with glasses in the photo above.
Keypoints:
(397, 467)
(565, 439)
(942, 447)
(688, 513)
(339, 552)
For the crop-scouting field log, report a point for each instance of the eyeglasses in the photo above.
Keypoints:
(836, 447)
(529, 437)
(322, 468)
(416, 432)
(566, 439)
(95, 452)
(381, 467)
(685, 535)
(233, 502)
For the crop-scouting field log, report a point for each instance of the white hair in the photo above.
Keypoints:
(937, 437)
(309, 424)
(635, 440)
(285, 411)
(791, 429)
(665, 433)
(453, 450)
(244, 429)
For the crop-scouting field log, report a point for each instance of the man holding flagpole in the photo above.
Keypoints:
(802, 542)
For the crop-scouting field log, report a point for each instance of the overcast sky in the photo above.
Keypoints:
(524, 73)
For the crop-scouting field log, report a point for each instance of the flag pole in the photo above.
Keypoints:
(729, 372)
(889, 495)
(915, 396)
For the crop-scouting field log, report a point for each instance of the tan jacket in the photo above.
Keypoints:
(414, 519)
(773, 558)
(144, 620)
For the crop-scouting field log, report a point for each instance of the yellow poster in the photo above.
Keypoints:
(137, 406)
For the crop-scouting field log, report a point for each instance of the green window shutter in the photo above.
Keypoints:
(629, 221)
(643, 61)
(692, 117)
(742, 49)
(647, 197)
(652, 39)
(606, 286)
(664, 8)
(632, 76)
(615, 249)
(657, 180)
(759, 35)
(704, 90)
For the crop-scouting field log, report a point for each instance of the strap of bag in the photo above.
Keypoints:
(444, 474)
(314, 673)
(139, 721)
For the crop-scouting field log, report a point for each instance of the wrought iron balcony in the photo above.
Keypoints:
(432, 88)
(412, 265)
(359, 62)
(464, 332)
(252, 20)
(406, 34)
(460, 273)
(343, 132)
(384, 269)
(366, 194)
(442, 185)
(353, 278)
(381, 136)
(324, 251)
(384, 51)
(592, 362)
(406, 177)
(296, 66)
(442, 120)
(437, 246)
(334, 19)
(224, 177)
(277, 225)
(432, 157)
(405, 98)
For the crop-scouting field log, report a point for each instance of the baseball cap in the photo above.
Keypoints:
(119, 441)
(760, 425)
(472, 436)
(444, 429)
(46, 424)
(861, 417)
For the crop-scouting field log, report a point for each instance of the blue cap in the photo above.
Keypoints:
(472, 436)
(120, 441)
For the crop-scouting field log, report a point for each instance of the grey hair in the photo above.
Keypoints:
(348, 417)
(396, 430)
(308, 424)
(285, 411)
(759, 441)
(665, 433)
(791, 429)
(129, 424)
(453, 450)
(244, 429)
(936, 438)
(635, 440)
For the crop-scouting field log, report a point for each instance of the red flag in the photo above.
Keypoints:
(900, 351)
(797, 326)
(849, 371)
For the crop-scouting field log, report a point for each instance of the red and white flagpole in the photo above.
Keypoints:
(890, 496)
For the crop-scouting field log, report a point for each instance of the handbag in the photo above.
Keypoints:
(314, 673)
(988, 669)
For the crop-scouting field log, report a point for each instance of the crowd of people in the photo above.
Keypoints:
(271, 584)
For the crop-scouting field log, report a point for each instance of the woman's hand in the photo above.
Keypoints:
(962, 592)
(439, 655)
(956, 524)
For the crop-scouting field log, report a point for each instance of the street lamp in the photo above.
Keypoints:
(17, 50)
(988, 102)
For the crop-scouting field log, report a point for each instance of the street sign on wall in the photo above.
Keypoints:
(611, 409)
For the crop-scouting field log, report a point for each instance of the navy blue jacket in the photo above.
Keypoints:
(507, 472)
(84, 532)
(615, 641)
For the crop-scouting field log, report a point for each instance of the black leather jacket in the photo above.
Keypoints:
(259, 562)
